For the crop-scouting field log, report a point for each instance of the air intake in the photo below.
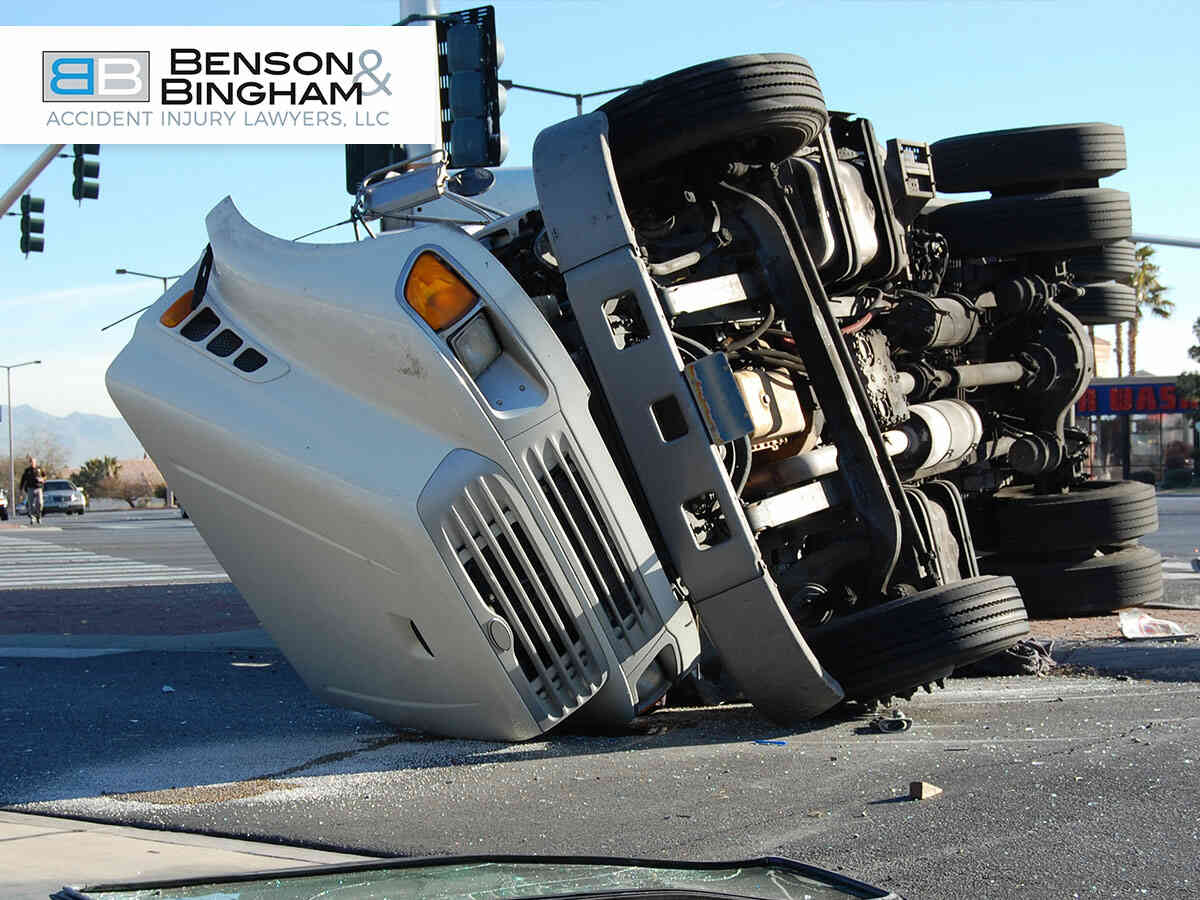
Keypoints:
(511, 579)
(201, 325)
(224, 344)
(584, 526)
(250, 360)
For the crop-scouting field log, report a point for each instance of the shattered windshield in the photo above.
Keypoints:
(509, 880)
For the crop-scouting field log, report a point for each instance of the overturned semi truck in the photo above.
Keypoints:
(727, 380)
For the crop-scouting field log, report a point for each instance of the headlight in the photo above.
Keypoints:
(476, 345)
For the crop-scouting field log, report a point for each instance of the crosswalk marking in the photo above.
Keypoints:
(152, 524)
(27, 563)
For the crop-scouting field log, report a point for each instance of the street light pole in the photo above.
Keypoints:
(162, 278)
(578, 98)
(12, 490)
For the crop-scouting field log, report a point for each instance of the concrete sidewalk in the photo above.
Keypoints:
(40, 854)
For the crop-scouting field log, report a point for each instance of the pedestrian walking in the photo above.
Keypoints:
(33, 479)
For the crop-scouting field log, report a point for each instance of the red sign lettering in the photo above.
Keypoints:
(1120, 399)
(1167, 398)
(1145, 400)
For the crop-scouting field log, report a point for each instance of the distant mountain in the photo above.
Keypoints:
(83, 436)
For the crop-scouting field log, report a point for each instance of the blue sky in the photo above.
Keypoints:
(921, 70)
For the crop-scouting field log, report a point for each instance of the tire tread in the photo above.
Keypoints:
(893, 648)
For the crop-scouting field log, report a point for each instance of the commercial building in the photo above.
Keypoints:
(1142, 428)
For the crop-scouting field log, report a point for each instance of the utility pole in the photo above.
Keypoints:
(12, 489)
(405, 9)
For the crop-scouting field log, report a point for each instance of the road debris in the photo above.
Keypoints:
(922, 790)
(1139, 625)
(167, 689)
(1028, 657)
(893, 720)
(772, 743)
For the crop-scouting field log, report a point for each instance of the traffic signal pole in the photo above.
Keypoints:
(407, 8)
(22, 184)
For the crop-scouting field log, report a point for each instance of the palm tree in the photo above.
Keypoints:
(1119, 348)
(1151, 295)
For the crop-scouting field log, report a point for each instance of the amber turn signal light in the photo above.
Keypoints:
(437, 293)
(177, 311)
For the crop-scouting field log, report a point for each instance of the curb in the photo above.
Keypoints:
(1154, 660)
(39, 854)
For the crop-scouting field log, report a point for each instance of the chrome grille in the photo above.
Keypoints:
(511, 579)
(574, 508)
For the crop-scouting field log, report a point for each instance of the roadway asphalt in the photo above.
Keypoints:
(1054, 786)
(1178, 534)
(1075, 784)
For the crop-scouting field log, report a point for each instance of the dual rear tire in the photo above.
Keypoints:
(1049, 222)
(1105, 303)
(1045, 194)
(1088, 558)
(1084, 584)
(1029, 160)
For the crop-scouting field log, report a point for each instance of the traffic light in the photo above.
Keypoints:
(472, 98)
(82, 188)
(363, 159)
(32, 227)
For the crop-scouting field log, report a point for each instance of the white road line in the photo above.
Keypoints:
(1179, 570)
(59, 652)
(51, 567)
(28, 563)
(143, 526)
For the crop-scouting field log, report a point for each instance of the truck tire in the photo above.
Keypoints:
(898, 646)
(1028, 158)
(761, 107)
(1106, 303)
(1034, 223)
(1107, 261)
(1131, 576)
(1095, 514)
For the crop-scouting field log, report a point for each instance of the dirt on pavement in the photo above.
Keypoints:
(1105, 626)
